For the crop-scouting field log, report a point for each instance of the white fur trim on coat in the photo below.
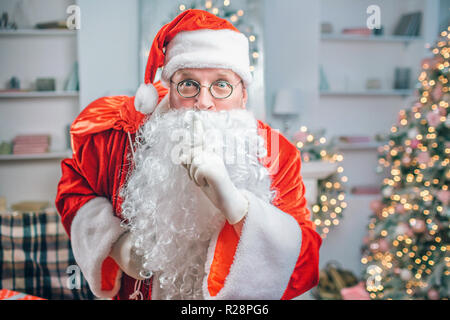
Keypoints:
(205, 48)
(93, 232)
(265, 257)
(146, 98)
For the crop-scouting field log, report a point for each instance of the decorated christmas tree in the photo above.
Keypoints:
(406, 251)
(329, 207)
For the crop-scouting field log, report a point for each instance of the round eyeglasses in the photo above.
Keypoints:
(219, 89)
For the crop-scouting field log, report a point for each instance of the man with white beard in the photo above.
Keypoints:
(180, 193)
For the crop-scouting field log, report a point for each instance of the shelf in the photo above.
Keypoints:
(359, 145)
(39, 156)
(39, 94)
(385, 38)
(38, 32)
(362, 196)
(376, 93)
(318, 169)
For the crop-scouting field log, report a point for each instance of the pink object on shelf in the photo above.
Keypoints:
(31, 144)
(366, 190)
(357, 292)
(31, 139)
(357, 31)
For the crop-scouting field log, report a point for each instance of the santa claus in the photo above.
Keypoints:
(179, 192)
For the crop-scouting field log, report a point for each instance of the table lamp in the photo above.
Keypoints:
(286, 105)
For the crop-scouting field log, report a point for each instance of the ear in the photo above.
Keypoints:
(244, 97)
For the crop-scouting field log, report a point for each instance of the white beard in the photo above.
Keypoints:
(169, 217)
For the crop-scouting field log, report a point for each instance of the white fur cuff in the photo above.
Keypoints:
(93, 232)
(266, 255)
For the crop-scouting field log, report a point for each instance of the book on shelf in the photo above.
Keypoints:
(57, 24)
(409, 24)
(30, 150)
(357, 31)
(13, 90)
(32, 138)
(355, 139)
(30, 206)
(31, 144)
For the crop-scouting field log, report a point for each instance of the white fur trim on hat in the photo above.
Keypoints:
(146, 98)
(206, 48)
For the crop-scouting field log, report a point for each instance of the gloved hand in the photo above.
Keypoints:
(122, 252)
(207, 170)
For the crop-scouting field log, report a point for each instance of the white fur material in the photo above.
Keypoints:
(206, 48)
(266, 255)
(146, 98)
(163, 106)
(93, 232)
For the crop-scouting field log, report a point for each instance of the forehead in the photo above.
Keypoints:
(205, 73)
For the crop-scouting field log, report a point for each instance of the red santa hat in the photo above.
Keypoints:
(194, 39)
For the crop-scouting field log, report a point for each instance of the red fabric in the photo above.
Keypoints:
(224, 252)
(284, 165)
(188, 20)
(95, 170)
(110, 268)
(100, 165)
(6, 294)
(116, 112)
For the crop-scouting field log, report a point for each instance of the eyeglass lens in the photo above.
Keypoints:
(219, 89)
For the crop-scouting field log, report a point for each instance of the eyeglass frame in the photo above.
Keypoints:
(209, 88)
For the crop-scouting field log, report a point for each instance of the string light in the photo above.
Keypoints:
(328, 210)
(417, 149)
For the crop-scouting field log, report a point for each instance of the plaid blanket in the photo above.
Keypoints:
(36, 257)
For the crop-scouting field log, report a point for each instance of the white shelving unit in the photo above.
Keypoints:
(372, 38)
(359, 146)
(37, 32)
(39, 94)
(368, 93)
(54, 155)
(29, 54)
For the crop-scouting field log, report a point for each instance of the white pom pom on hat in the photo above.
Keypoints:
(146, 98)
(200, 40)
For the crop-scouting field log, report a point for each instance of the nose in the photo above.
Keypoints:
(204, 101)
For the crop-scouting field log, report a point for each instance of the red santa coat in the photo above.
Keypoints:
(275, 257)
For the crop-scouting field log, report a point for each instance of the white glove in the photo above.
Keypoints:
(122, 252)
(207, 170)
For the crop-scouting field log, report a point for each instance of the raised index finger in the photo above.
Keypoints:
(198, 131)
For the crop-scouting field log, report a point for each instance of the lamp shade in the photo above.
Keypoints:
(287, 102)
